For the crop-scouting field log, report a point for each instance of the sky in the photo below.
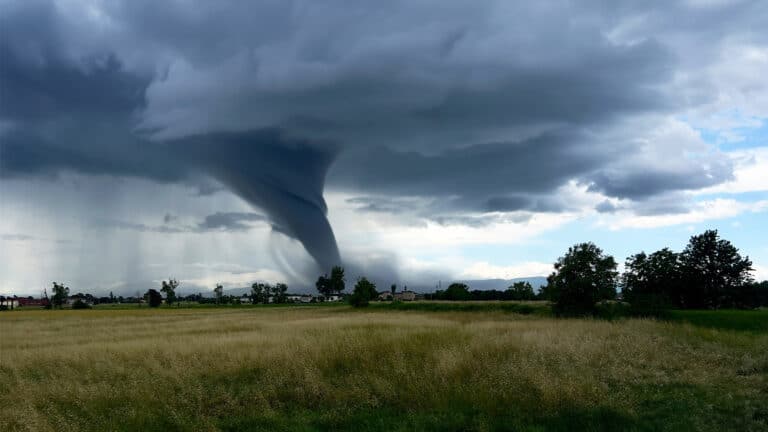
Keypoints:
(412, 141)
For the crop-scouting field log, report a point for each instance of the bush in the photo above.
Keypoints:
(364, 292)
(154, 298)
(612, 309)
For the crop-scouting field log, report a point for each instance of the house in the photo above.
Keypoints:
(405, 296)
(385, 296)
(334, 298)
(32, 302)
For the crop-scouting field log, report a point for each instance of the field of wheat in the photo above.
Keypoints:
(319, 368)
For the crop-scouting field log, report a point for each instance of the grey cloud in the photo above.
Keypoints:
(644, 182)
(133, 226)
(669, 203)
(606, 207)
(482, 178)
(230, 221)
(16, 237)
(219, 221)
(476, 107)
(479, 221)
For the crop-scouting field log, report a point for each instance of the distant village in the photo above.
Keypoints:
(88, 300)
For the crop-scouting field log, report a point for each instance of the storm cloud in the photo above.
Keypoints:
(474, 107)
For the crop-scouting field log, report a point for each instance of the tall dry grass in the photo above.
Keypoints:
(204, 369)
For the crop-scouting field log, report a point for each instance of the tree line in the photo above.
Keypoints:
(708, 274)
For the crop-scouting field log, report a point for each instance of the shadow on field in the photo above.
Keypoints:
(523, 308)
(740, 320)
(598, 419)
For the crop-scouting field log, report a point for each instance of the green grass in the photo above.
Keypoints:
(739, 320)
(524, 308)
(391, 367)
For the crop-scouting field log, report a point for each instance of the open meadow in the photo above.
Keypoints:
(335, 368)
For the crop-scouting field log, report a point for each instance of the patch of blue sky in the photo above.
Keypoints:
(746, 231)
(732, 130)
(747, 197)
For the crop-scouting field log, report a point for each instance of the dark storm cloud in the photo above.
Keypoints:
(499, 177)
(16, 237)
(606, 207)
(639, 184)
(219, 221)
(38, 81)
(476, 106)
(230, 221)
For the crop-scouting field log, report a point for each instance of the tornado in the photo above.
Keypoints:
(283, 177)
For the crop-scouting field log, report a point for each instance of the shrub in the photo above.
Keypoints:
(364, 292)
(154, 298)
(612, 309)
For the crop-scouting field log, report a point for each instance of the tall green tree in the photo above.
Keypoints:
(334, 284)
(712, 271)
(521, 290)
(218, 293)
(259, 293)
(337, 280)
(363, 293)
(169, 289)
(651, 283)
(582, 277)
(153, 298)
(456, 291)
(323, 285)
(60, 293)
(279, 293)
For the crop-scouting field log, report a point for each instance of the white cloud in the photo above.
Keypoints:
(750, 172)
(484, 270)
(700, 212)
(761, 272)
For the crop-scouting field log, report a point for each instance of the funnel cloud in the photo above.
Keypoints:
(283, 177)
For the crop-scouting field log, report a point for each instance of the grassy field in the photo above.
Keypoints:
(421, 368)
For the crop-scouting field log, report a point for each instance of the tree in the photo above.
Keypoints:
(169, 288)
(456, 291)
(323, 285)
(60, 293)
(328, 286)
(153, 298)
(278, 292)
(712, 271)
(521, 290)
(363, 293)
(218, 293)
(259, 293)
(650, 283)
(337, 280)
(582, 277)
(393, 290)
(80, 304)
